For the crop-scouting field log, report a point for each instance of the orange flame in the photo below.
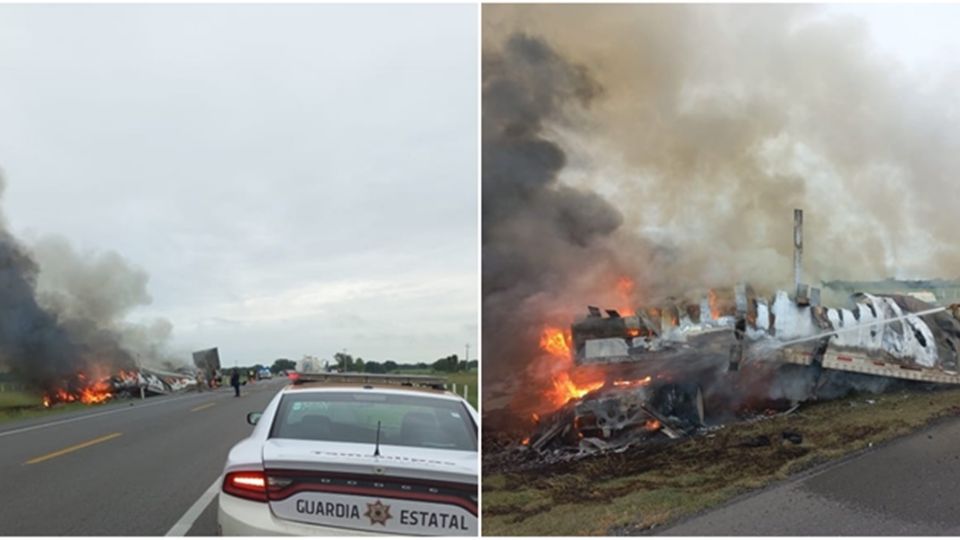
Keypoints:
(652, 424)
(565, 389)
(625, 288)
(97, 393)
(714, 304)
(90, 394)
(555, 341)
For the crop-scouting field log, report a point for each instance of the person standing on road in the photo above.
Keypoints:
(235, 382)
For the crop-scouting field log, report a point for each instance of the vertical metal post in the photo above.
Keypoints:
(797, 248)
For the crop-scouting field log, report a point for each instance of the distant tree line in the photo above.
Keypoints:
(449, 364)
(347, 363)
(282, 364)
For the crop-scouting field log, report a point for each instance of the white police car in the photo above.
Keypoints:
(349, 454)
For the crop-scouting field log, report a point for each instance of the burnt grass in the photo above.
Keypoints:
(650, 486)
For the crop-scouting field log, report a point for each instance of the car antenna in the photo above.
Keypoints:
(376, 451)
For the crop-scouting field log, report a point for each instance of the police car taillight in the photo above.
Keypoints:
(246, 485)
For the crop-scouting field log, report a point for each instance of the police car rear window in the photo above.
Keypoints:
(352, 417)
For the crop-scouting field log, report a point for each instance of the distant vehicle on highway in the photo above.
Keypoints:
(265, 373)
(337, 454)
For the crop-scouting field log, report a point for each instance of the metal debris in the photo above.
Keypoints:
(792, 436)
(756, 442)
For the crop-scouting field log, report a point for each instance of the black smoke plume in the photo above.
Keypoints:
(62, 312)
(535, 230)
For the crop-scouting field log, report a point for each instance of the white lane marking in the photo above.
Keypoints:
(104, 413)
(185, 523)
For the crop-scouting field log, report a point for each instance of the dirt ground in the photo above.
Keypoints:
(648, 487)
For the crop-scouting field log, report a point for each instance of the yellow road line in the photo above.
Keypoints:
(73, 448)
(201, 407)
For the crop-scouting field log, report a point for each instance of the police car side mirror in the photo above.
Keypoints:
(253, 418)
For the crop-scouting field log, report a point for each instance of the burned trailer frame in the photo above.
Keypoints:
(208, 362)
(887, 336)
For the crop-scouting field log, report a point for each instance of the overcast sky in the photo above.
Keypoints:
(296, 179)
(922, 36)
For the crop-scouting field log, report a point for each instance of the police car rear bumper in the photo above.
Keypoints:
(240, 517)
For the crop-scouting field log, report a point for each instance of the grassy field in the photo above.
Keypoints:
(649, 487)
(23, 405)
(460, 378)
(470, 379)
(18, 399)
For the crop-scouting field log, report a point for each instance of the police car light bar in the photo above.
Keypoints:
(373, 378)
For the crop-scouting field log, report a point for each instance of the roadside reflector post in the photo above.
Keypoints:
(142, 393)
(454, 388)
(466, 392)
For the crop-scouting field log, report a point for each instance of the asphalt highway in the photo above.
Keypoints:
(905, 488)
(129, 468)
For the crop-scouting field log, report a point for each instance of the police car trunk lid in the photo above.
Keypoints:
(404, 490)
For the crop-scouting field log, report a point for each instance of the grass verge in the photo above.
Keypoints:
(25, 405)
(649, 487)
(468, 378)
(460, 378)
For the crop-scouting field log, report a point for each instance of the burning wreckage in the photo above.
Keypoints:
(84, 387)
(676, 369)
(683, 367)
(141, 383)
(109, 383)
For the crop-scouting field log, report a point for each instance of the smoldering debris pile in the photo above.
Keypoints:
(622, 415)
